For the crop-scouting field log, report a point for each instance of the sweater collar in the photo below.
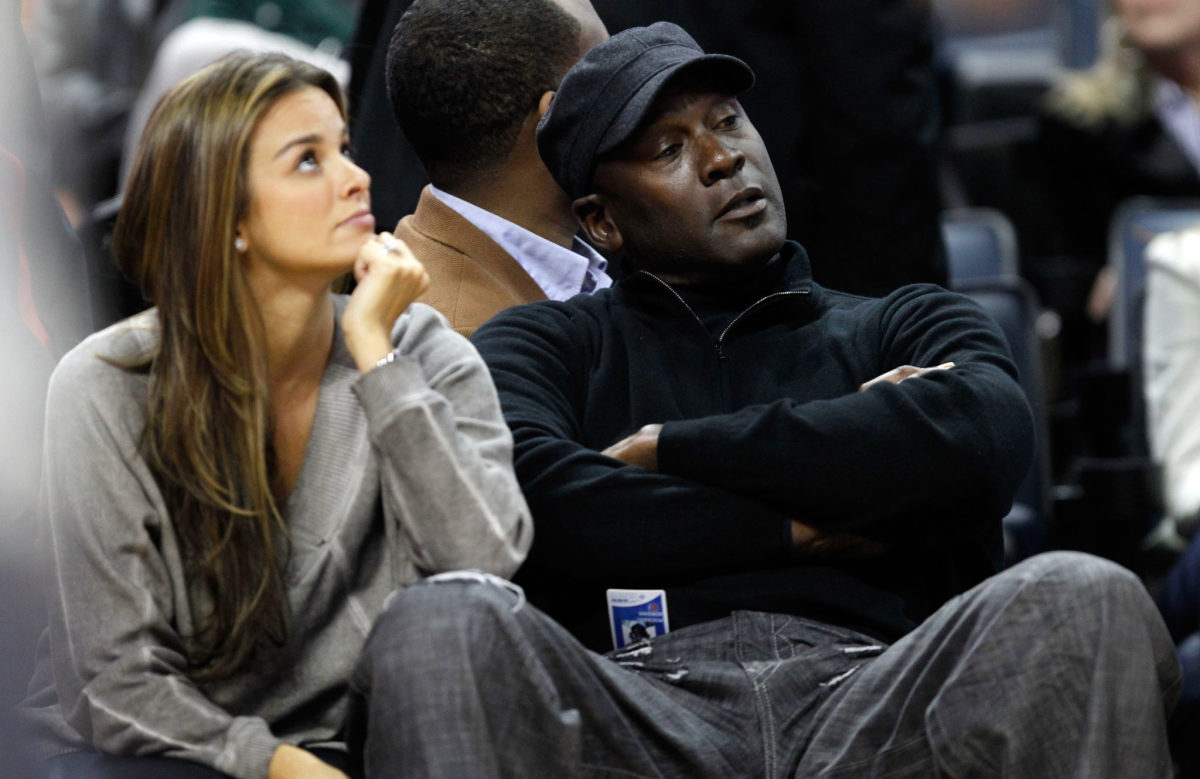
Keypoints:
(788, 271)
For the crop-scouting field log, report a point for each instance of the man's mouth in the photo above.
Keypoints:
(748, 202)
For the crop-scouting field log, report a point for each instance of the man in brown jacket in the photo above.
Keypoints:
(468, 81)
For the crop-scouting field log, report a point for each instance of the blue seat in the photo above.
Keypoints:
(1011, 302)
(980, 244)
(1134, 224)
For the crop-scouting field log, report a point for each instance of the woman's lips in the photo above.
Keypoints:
(363, 219)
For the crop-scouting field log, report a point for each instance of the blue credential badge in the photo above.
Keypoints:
(635, 615)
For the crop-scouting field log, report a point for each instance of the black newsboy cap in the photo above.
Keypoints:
(605, 97)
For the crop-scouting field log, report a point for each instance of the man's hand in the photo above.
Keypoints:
(640, 449)
(810, 542)
(897, 375)
(289, 762)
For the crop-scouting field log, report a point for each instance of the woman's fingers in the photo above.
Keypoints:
(389, 278)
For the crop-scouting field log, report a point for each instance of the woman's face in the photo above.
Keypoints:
(1160, 26)
(309, 206)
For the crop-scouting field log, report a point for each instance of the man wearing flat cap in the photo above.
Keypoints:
(793, 493)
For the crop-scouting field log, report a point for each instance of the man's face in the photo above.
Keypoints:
(693, 195)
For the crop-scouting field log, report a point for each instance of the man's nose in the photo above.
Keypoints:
(721, 160)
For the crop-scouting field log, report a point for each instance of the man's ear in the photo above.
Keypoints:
(596, 221)
(544, 103)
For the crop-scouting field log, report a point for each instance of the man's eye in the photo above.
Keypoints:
(728, 122)
(668, 151)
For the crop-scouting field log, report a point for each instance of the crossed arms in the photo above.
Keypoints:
(893, 464)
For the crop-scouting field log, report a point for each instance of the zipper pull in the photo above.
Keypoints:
(720, 351)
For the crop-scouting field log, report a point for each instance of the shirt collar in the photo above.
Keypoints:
(560, 272)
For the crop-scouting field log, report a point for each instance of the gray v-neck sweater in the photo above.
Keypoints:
(408, 471)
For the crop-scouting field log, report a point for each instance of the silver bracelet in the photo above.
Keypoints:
(388, 358)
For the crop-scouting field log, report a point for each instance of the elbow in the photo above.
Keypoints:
(1009, 458)
(516, 545)
(508, 548)
(992, 461)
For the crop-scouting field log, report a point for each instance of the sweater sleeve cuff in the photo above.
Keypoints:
(677, 448)
(381, 390)
(249, 749)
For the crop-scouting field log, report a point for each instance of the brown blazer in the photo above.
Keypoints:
(471, 279)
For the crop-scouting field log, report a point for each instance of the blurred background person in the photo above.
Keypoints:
(43, 313)
(1172, 370)
(1129, 125)
(91, 57)
(94, 58)
(1172, 387)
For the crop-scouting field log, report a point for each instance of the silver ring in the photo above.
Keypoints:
(391, 245)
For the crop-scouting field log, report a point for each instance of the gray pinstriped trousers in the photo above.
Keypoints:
(1058, 667)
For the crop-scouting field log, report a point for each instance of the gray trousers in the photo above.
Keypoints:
(1058, 667)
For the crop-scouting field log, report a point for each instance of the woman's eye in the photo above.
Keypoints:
(307, 161)
(346, 152)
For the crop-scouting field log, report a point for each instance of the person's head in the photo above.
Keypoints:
(231, 160)
(1160, 27)
(211, 189)
(646, 135)
(463, 76)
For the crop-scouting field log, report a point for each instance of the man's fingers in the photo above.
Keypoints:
(897, 375)
(803, 534)
(894, 376)
(922, 371)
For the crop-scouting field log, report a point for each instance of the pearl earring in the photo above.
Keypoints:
(239, 243)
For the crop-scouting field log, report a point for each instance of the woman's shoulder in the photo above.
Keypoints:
(107, 360)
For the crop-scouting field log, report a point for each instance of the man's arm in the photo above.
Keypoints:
(947, 447)
(641, 450)
(597, 518)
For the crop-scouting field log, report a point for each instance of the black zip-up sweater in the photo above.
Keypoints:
(757, 386)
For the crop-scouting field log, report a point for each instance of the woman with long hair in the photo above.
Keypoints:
(236, 479)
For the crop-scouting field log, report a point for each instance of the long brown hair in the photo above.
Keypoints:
(208, 427)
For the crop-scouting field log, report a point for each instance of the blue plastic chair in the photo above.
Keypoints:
(980, 244)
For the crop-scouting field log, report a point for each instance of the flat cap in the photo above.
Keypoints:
(606, 96)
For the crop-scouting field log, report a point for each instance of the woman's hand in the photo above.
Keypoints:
(389, 279)
(291, 762)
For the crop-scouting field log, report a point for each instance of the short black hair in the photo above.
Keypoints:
(462, 76)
